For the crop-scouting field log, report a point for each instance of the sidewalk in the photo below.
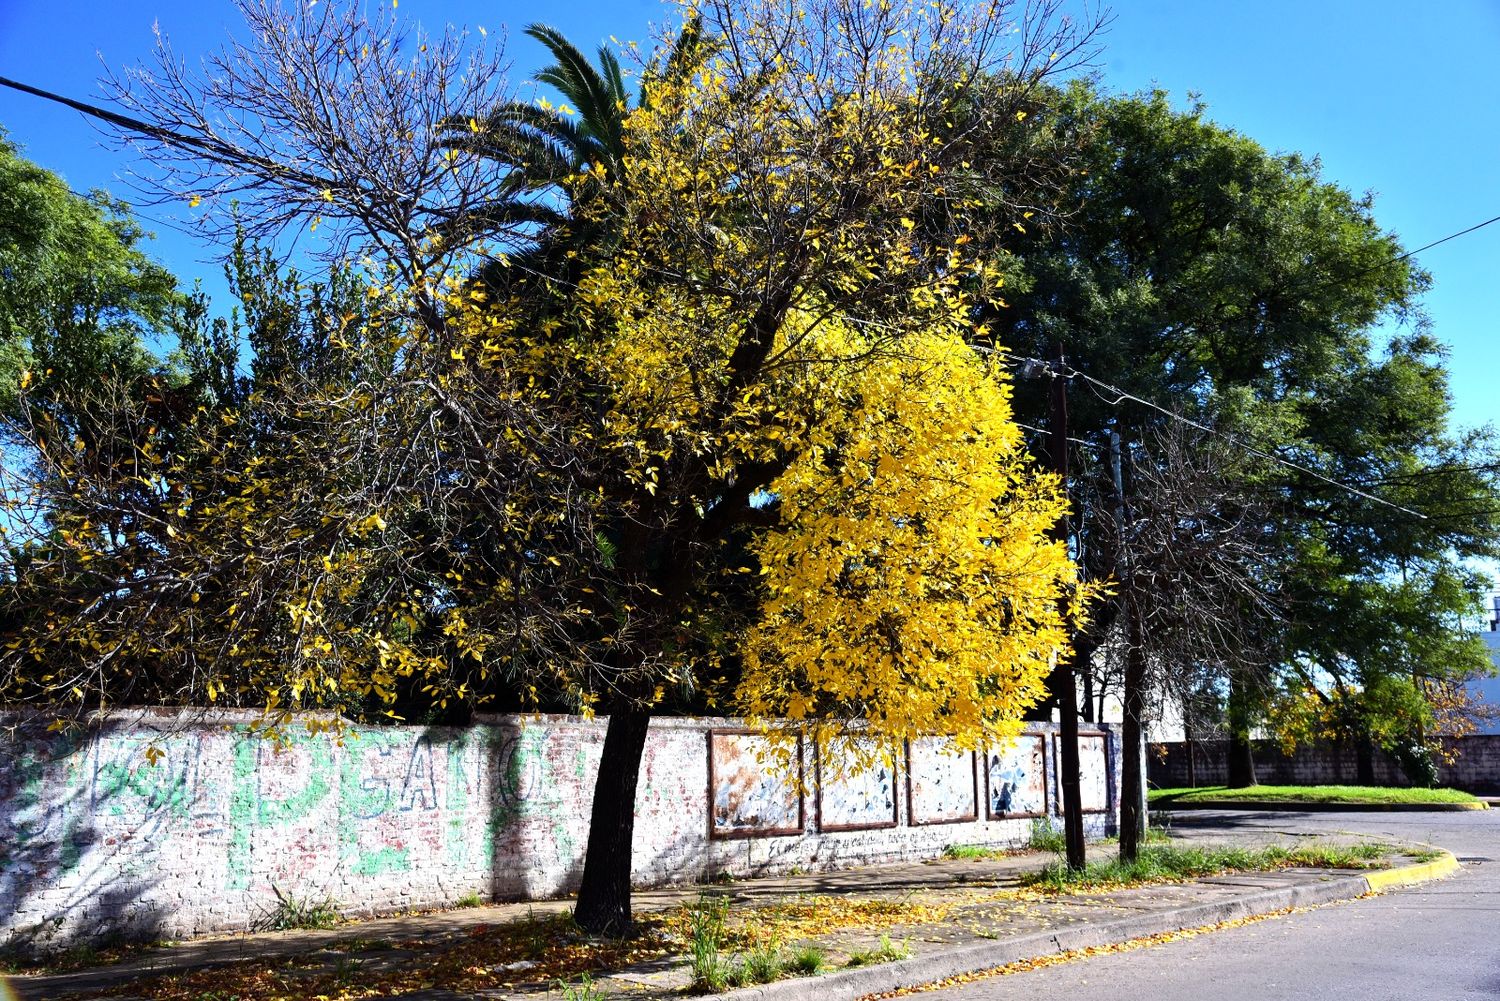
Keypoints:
(950, 917)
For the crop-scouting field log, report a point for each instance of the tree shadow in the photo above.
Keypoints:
(76, 827)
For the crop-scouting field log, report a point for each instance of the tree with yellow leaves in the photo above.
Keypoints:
(747, 439)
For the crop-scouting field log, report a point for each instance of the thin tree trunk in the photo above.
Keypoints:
(604, 896)
(1132, 782)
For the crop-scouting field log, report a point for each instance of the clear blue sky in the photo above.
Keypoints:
(1394, 97)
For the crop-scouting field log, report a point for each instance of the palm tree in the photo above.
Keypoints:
(542, 146)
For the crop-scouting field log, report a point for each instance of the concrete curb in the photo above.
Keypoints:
(1387, 879)
(850, 985)
(1285, 807)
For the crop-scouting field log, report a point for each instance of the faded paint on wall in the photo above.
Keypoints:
(855, 799)
(942, 784)
(1016, 778)
(1093, 770)
(749, 796)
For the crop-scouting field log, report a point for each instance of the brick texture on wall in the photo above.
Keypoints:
(1475, 768)
(97, 843)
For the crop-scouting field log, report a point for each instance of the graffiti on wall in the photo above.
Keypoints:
(748, 797)
(855, 799)
(88, 824)
(1016, 778)
(942, 786)
(95, 840)
(1093, 770)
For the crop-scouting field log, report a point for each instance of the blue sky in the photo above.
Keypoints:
(1394, 97)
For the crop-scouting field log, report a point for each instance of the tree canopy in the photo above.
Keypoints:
(1190, 267)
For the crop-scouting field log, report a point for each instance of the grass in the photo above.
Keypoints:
(1375, 795)
(1155, 835)
(1045, 837)
(807, 961)
(584, 990)
(1166, 863)
(712, 972)
(886, 952)
(973, 852)
(293, 913)
(469, 900)
(706, 933)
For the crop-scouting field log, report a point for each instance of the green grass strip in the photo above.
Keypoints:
(1167, 863)
(1374, 795)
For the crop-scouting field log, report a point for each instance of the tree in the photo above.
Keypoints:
(1185, 265)
(79, 298)
(556, 490)
(324, 116)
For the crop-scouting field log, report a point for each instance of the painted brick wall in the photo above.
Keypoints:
(1476, 768)
(96, 842)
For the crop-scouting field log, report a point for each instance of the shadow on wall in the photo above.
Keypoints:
(74, 819)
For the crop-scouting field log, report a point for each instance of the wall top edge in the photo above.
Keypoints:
(167, 720)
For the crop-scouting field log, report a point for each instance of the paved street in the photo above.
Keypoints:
(1438, 941)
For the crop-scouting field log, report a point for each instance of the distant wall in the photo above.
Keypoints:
(1477, 768)
(95, 842)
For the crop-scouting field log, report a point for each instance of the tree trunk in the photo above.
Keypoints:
(1065, 684)
(1132, 782)
(1241, 755)
(604, 896)
(1364, 761)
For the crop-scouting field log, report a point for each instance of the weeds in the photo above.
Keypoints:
(760, 966)
(1158, 863)
(293, 913)
(973, 852)
(346, 969)
(469, 900)
(886, 952)
(706, 926)
(1045, 837)
(584, 990)
(807, 961)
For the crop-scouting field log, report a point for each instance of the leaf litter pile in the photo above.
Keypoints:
(528, 955)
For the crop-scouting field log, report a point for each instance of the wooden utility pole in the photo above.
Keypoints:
(1132, 781)
(1063, 683)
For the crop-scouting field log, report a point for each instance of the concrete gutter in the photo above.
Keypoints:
(850, 985)
(1292, 807)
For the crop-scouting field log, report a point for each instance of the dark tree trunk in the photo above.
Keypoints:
(1065, 684)
(1241, 760)
(1241, 755)
(1364, 761)
(604, 896)
(1132, 782)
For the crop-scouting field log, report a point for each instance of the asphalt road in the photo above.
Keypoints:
(1438, 941)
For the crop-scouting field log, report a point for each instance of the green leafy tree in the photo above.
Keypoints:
(1187, 265)
(79, 298)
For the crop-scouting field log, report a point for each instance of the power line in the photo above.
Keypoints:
(1402, 257)
(1121, 395)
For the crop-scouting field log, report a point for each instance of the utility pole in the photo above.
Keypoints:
(1132, 777)
(1063, 684)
